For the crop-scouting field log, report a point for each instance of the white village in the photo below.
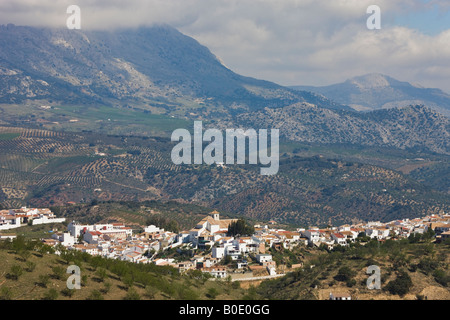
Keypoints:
(210, 241)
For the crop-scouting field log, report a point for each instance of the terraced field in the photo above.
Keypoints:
(41, 168)
(37, 164)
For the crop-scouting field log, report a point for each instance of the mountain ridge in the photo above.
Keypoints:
(406, 127)
(378, 91)
(140, 65)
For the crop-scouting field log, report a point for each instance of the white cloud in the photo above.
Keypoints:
(291, 42)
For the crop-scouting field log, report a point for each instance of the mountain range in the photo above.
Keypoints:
(412, 127)
(377, 91)
(146, 66)
(160, 68)
(73, 104)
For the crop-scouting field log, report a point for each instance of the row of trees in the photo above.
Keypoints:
(240, 227)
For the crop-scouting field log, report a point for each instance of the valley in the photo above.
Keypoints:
(316, 184)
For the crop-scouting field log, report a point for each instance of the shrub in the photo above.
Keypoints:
(44, 279)
(150, 292)
(101, 274)
(345, 274)
(441, 277)
(212, 293)
(185, 293)
(132, 294)
(401, 285)
(351, 283)
(428, 265)
(51, 294)
(235, 285)
(30, 266)
(24, 254)
(84, 279)
(58, 272)
(128, 281)
(67, 292)
(106, 287)
(5, 293)
(95, 295)
(15, 272)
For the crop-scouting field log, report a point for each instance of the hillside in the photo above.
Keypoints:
(409, 271)
(31, 271)
(46, 168)
(414, 127)
(378, 91)
(156, 68)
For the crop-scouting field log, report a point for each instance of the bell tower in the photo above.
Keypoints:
(216, 215)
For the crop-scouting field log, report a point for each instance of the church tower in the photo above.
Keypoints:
(215, 214)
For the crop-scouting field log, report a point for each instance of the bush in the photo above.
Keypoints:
(58, 272)
(441, 277)
(150, 292)
(212, 293)
(106, 287)
(67, 292)
(15, 272)
(5, 293)
(44, 279)
(401, 285)
(428, 265)
(345, 274)
(351, 283)
(132, 294)
(128, 281)
(51, 294)
(185, 293)
(24, 254)
(101, 274)
(30, 266)
(95, 295)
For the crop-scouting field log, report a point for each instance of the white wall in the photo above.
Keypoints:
(44, 220)
(218, 252)
(9, 226)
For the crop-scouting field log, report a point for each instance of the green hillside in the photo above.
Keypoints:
(51, 168)
(30, 271)
(409, 271)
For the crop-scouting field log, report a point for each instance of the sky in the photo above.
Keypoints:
(290, 42)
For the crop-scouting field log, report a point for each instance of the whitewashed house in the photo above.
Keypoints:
(261, 258)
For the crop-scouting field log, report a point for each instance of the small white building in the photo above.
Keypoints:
(152, 229)
(67, 240)
(217, 272)
(313, 235)
(91, 236)
(339, 238)
(218, 252)
(261, 258)
(340, 296)
(271, 270)
(378, 233)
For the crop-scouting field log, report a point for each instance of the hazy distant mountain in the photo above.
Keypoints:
(139, 65)
(377, 91)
